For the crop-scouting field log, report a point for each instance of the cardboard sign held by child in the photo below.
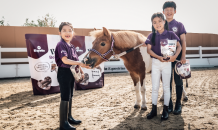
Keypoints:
(168, 48)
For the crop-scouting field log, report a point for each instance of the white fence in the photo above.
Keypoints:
(22, 70)
(198, 60)
(13, 70)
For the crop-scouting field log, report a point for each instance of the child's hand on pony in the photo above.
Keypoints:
(84, 65)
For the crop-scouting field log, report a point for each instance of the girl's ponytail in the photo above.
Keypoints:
(153, 36)
(166, 25)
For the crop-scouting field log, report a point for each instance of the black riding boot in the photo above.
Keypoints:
(63, 114)
(165, 114)
(70, 118)
(170, 107)
(153, 112)
(178, 106)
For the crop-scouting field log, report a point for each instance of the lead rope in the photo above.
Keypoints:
(117, 56)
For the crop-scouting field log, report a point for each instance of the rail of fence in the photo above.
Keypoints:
(196, 60)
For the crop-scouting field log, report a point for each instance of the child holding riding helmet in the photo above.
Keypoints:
(160, 66)
(169, 9)
(65, 56)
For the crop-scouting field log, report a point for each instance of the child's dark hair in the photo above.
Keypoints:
(160, 15)
(63, 24)
(169, 4)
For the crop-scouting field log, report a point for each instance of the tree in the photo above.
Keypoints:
(46, 21)
(2, 22)
(29, 23)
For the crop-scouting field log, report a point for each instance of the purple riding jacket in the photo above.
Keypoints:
(165, 35)
(63, 49)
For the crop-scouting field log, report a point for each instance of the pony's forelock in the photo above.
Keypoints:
(96, 33)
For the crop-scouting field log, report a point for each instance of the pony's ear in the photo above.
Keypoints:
(95, 29)
(106, 32)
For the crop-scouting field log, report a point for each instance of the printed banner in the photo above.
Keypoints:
(94, 78)
(43, 69)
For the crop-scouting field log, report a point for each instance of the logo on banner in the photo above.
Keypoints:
(115, 68)
(42, 66)
(78, 49)
(39, 49)
(52, 51)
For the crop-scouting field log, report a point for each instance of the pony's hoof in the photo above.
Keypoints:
(144, 108)
(136, 106)
(185, 98)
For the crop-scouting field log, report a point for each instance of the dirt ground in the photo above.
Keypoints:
(110, 107)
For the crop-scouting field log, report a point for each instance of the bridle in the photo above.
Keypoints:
(116, 56)
(103, 56)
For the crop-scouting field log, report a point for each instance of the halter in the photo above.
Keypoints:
(103, 56)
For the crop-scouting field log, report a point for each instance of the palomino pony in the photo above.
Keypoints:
(137, 62)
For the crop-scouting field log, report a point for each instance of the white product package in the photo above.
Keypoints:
(75, 69)
(168, 47)
(183, 70)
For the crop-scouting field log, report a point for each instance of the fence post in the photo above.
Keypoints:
(200, 51)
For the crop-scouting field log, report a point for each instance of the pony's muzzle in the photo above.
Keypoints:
(89, 62)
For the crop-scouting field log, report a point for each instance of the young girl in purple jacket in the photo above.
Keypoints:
(160, 66)
(65, 56)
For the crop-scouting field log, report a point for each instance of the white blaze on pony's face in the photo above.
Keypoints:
(102, 44)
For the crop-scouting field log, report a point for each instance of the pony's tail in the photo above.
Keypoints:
(153, 36)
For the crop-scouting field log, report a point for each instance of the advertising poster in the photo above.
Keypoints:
(43, 69)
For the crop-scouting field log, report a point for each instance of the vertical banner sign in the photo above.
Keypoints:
(94, 78)
(43, 69)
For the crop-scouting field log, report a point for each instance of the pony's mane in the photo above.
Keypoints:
(123, 39)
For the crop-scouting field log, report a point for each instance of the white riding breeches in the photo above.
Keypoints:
(160, 68)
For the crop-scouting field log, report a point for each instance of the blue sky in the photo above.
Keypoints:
(198, 16)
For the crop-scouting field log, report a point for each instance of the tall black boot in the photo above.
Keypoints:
(178, 106)
(63, 114)
(170, 107)
(71, 120)
(153, 112)
(165, 114)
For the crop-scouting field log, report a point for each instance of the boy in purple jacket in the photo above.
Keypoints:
(169, 9)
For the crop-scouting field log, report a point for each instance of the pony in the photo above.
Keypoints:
(137, 62)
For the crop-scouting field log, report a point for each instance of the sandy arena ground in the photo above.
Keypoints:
(110, 107)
